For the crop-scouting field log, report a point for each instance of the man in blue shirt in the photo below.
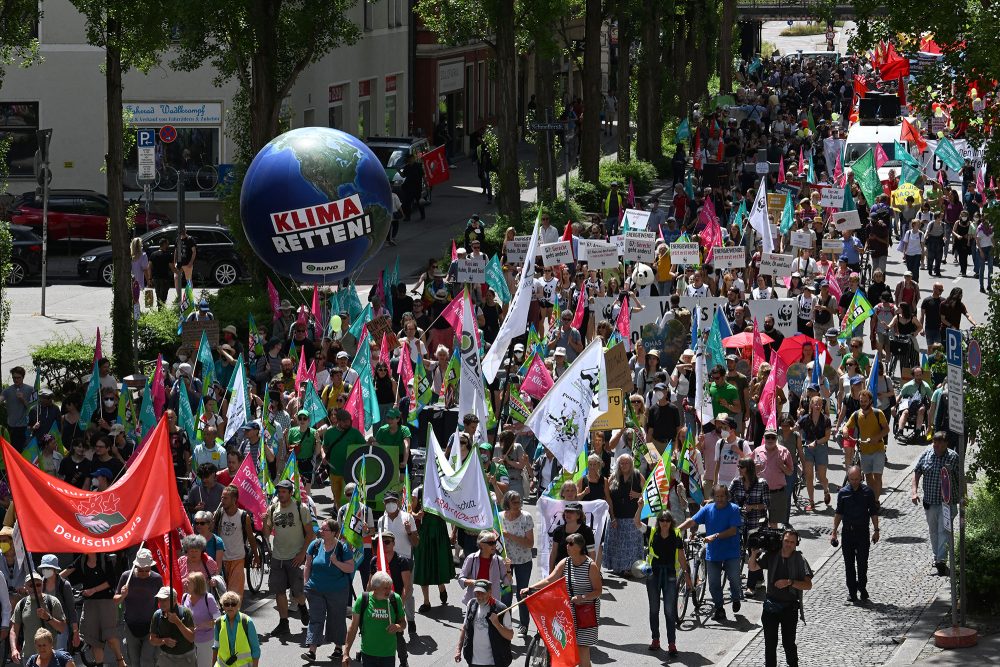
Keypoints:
(856, 506)
(852, 250)
(722, 521)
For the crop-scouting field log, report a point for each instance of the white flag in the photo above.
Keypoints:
(457, 496)
(236, 414)
(758, 217)
(563, 417)
(550, 512)
(516, 322)
(702, 399)
(471, 393)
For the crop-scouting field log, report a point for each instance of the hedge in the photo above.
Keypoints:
(65, 365)
(982, 548)
(158, 333)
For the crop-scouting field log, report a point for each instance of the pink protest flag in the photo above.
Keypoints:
(624, 324)
(251, 496)
(838, 172)
(993, 185)
(758, 348)
(380, 287)
(272, 295)
(581, 304)
(980, 188)
(802, 162)
(768, 402)
(711, 235)
(880, 156)
(301, 373)
(941, 178)
(317, 312)
(158, 390)
(453, 314)
(630, 200)
(404, 371)
(311, 372)
(355, 405)
(454, 251)
(537, 381)
(781, 169)
(833, 283)
(98, 353)
(383, 352)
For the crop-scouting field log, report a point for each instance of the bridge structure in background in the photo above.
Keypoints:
(783, 10)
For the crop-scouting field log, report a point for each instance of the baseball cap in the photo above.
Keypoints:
(770, 433)
(251, 426)
(856, 379)
(519, 348)
(116, 429)
(284, 484)
(184, 369)
(732, 357)
(302, 413)
(165, 593)
(343, 355)
(392, 414)
(560, 352)
(573, 506)
(103, 472)
(482, 586)
(660, 385)
(391, 495)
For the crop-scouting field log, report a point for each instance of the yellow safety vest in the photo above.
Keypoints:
(607, 202)
(243, 656)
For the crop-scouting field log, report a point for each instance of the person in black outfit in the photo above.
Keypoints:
(788, 574)
(856, 506)
(184, 256)
(401, 303)
(491, 314)
(774, 333)
(413, 185)
(161, 264)
(75, 469)
(663, 419)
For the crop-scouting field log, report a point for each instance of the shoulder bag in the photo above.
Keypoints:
(586, 612)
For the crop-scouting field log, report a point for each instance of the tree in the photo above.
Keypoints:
(590, 139)
(728, 26)
(265, 45)
(626, 35)
(18, 19)
(132, 33)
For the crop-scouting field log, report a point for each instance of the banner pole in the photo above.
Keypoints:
(31, 565)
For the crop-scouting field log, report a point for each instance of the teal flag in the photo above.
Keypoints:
(353, 301)
(949, 154)
(335, 305)
(204, 357)
(495, 279)
(361, 321)
(867, 176)
(185, 416)
(313, 405)
(811, 173)
(909, 174)
(713, 348)
(689, 186)
(683, 132)
(147, 416)
(740, 214)
(849, 204)
(787, 215)
(900, 153)
(92, 399)
(363, 365)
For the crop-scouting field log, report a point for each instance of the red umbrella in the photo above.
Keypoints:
(791, 348)
(745, 339)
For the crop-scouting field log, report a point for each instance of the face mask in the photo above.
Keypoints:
(391, 508)
(723, 434)
(658, 394)
(109, 402)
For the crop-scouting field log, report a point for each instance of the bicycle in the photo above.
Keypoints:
(537, 654)
(257, 572)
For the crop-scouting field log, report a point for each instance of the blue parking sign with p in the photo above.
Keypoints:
(146, 138)
(953, 347)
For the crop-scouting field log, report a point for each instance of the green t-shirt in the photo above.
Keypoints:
(393, 442)
(864, 362)
(305, 439)
(729, 393)
(376, 641)
(335, 443)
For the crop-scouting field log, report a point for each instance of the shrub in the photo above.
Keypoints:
(64, 364)
(982, 547)
(158, 333)
(641, 173)
(590, 197)
(232, 304)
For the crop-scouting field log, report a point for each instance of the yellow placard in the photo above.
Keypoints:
(905, 190)
(615, 416)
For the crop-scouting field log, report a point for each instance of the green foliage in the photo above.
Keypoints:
(232, 304)
(158, 333)
(6, 246)
(641, 173)
(18, 19)
(64, 364)
(982, 398)
(138, 30)
(587, 195)
(767, 49)
(982, 549)
(805, 29)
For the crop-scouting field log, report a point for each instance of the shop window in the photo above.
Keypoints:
(193, 155)
(19, 126)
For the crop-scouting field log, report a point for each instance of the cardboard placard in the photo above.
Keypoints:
(729, 258)
(471, 270)
(517, 248)
(636, 219)
(602, 255)
(784, 311)
(845, 220)
(640, 246)
(554, 254)
(803, 240)
(191, 334)
(833, 246)
(619, 242)
(832, 198)
(685, 254)
(775, 204)
(615, 416)
(619, 375)
(379, 326)
(774, 264)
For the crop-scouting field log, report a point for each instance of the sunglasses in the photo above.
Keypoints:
(303, 419)
(229, 605)
(491, 543)
(201, 523)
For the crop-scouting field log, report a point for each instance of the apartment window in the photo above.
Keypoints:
(365, 100)
(390, 8)
(336, 112)
(481, 91)
(19, 125)
(369, 14)
(309, 118)
(399, 11)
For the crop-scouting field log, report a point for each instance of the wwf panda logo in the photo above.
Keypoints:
(785, 313)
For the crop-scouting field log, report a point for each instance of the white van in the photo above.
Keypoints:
(861, 138)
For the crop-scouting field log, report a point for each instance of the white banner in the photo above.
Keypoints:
(471, 393)
(636, 220)
(729, 258)
(550, 512)
(975, 155)
(774, 264)
(759, 219)
(832, 198)
(602, 256)
(236, 413)
(563, 417)
(560, 252)
(845, 220)
(471, 270)
(803, 240)
(685, 254)
(517, 249)
(640, 246)
(784, 311)
(459, 497)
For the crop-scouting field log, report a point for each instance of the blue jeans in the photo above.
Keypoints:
(986, 260)
(731, 567)
(661, 586)
(977, 262)
(329, 608)
(522, 577)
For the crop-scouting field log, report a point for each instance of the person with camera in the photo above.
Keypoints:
(723, 521)
(856, 506)
(788, 574)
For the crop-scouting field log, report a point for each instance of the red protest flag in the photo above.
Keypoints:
(581, 304)
(860, 86)
(98, 353)
(58, 518)
(758, 357)
(721, 154)
(894, 68)
(781, 169)
(568, 231)
(436, 167)
(317, 314)
(272, 296)
(355, 405)
(912, 134)
(550, 610)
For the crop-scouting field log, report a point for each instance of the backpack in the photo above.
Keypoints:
(243, 523)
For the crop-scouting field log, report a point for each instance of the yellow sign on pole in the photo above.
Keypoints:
(615, 416)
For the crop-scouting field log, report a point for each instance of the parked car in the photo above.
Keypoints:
(74, 214)
(216, 262)
(26, 256)
(393, 152)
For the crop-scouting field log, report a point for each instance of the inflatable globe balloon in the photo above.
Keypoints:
(316, 204)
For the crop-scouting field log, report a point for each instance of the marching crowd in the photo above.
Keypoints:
(739, 411)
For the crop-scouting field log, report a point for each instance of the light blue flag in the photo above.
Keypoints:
(683, 131)
(817, 368)
(716, 353)
(873, 379)
(725, 331)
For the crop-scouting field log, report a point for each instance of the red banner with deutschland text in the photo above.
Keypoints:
(58, 518)
(553, 617)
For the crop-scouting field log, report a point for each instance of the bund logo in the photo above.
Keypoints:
(100, 514)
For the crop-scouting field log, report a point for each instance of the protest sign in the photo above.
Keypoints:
(640, 246)
(602, 255)
(832, 198)
(471, 270)
(615, 416)
(685, 254)
(517, 248)
(560, 252)
(845, 220)
(775, 204)
(616, 363)
(619, 242)
(730, 258)
(784, 311)
(635, 219)
(833, 246)
(774, 264)
(191, 333)
(802, 240)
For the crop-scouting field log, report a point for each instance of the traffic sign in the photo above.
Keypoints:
(953, 347)
(956, 388)
(945, 486)
(547, 127)
(168, 133)
(145, 141)
(145, 138)
(975, 354)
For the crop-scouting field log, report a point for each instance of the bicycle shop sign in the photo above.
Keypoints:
(173, 113)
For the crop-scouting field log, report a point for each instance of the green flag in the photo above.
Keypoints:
(363, 365)
(353, 301)
(354, 520)
(519, 412)
(810, 121)
(204, 357)
(185, 417)
(313, 405)
(495, 279)
(254, 339)
(787, 215)
(422, 390)
(451, 373)
(856, 314)
(147, 417)
(358, 323)
(92, 399)
(716, 353)
(867, 176)
(126, 410)
(949, 154)
(900, 153)
(909, 174)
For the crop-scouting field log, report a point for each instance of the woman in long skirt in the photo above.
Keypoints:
(432, 564)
